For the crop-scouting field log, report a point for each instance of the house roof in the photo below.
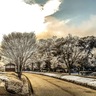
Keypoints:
(9, 64)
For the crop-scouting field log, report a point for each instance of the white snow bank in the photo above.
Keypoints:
(81, 80)
(14, 86)
(51, 74)
(4, 78)
(17, 86)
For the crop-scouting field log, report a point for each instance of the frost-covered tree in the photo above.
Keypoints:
(88, 44)
(68, 51)
(18, 48)
(44, 48)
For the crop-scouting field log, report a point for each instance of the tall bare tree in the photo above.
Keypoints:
(18, 48)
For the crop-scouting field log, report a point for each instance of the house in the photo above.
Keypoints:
(10, 67)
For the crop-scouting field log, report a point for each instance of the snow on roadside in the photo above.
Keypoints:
(16, 86)
(4, 78)
(82, 80)
(51, 74)
(89, 82)
(76, 79)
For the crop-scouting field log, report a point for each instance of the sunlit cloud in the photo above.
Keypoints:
(61, 28)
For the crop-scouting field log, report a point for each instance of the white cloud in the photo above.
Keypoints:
(16, 15)
(51, 7)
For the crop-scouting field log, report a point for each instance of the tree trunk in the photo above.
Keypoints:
(39, 63)
(69, 71)
(49, 66)
(78, 70)
(19, 75)
(32, 66)
(19, 71)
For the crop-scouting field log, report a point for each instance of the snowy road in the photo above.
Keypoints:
(47, 86)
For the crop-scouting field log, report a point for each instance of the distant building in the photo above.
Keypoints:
(10, 67)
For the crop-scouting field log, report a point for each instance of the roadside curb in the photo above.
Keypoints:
(31, 91)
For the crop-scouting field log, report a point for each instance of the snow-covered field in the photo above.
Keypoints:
(88, 82)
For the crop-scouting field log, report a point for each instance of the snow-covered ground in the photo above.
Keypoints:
(81, 80)
(88, 82)
(13, 84)
(4, 78)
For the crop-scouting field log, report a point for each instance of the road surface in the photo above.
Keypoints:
(48, 86)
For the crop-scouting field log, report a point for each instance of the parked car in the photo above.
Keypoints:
(85, 72)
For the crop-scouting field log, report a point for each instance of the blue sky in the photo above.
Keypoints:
(79, 10)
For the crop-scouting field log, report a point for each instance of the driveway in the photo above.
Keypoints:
(48, 86)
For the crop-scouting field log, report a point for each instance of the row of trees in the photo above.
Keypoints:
(69, 52)
(23, 49)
